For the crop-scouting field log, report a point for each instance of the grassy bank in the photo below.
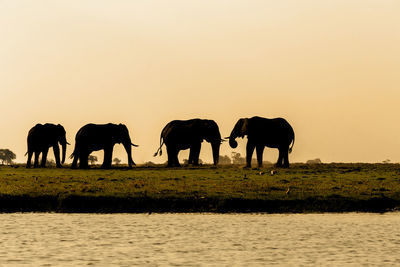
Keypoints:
(302, 188)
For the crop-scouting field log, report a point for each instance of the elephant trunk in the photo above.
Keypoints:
(232, 142)
(128, 149)
(236, 132)
(64, 150)
(232, 138)
(215, 150)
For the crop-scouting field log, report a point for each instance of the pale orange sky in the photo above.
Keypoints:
(331, 68)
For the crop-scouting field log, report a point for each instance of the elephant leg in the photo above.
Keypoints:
(173, 157)
(28, 163)
(286, 158)
(190, 160)
(107, 158)
(83, 160)
(44, 157)
(170, 157)
(56, 151)
(36, 163)
(74, 162)
(280, 158)
(249, 153)
(260, 151)
(195, 151)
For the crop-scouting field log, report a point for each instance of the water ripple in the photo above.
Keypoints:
(44, 239)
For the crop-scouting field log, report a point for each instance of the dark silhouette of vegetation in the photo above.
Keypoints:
(186, 161)
(314, 161)
(225, 160)
(51, 163)
(7, 156)
(117, 161)
(92, 159)
(150, 164)
(255, 162)
(237, 159)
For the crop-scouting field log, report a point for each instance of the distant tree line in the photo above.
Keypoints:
(235, 159)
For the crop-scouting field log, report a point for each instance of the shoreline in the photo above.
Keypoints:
(107, 204)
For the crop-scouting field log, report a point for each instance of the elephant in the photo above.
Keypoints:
(94, 137)
(41, 138)
(183, 134)
(263, 132)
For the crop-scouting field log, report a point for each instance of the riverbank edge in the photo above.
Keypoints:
(111, 204)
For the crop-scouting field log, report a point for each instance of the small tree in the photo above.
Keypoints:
(237, 159)
(117, 161)
(51, 162)
(225, 160)
(314, 161)
(92, 159)
(6, 156)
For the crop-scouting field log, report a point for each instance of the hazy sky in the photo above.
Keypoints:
(331, 68)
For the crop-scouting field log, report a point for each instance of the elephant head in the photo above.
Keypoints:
(122, 137)
(60, 135)
(213, 136)
(240, 130)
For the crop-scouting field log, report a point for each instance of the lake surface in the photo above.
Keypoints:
(199, 239)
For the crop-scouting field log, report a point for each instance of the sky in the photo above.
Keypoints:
(330, 68)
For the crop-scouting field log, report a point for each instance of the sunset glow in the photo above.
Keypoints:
(330, 68)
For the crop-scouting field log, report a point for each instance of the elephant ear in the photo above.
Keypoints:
(245, 125)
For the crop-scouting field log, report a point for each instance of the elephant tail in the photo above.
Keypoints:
(291, 147)
(160, 148)
(26, 153)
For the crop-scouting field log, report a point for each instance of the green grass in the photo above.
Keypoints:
(358, 182)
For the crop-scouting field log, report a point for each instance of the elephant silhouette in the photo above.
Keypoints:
(261, 133)
(43, 136)
(94, 137)
(189, 134)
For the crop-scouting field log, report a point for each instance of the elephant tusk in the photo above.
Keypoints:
(134, 145)
(223, 140)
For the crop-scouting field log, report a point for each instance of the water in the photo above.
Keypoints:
(37, 239)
